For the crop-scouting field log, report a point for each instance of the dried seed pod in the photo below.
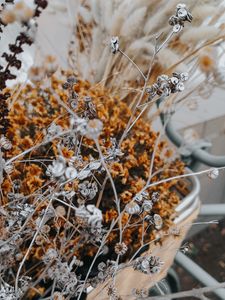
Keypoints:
(114, 44)
(157, 221)
(91, 214)
(5, 143)
(148, 265)
(147, 205)
(155, 197)
(132, 208)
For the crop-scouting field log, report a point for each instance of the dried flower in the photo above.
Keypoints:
(5, 143)
(50, 65)
(157, 221)
(88, 190)
(120, 248)
(148, 264)
(133, 208)
(147, 205)
(70, 173)
(112, 292)
(93, 129)
(182, 15)
(166, 85)
(213, 173)
(50, 256)
(155, 197)
(57, 168)
(91, 214)
(114, 43)
(36, 74)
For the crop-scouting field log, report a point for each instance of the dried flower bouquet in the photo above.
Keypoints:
(88, 189)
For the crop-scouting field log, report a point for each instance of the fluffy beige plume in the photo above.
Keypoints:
(133, 23)
(159, 18)
(168, 57)
(95, 10)
(85, 14)
(139, 47)
(106, 14)
(201, 33)
(136, 23)
(201, 12)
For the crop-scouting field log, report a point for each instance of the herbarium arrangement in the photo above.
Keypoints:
(86, 184)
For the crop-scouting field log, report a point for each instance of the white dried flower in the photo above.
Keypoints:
(155, 197)
(88, 189)
(54, 129)
(213, 173)
(132, 208)
(120, 248)
(165, 85)
(157, 221)
(60, 210)
(83, 174)
(50, 255)
(148, 265)
(70, 173)
(91, 214)
(57, 168)
(94, 128)
(147, 205)
(5, 143)
(114, 43)
(182, 15)
(8, 168)
(7, 292)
